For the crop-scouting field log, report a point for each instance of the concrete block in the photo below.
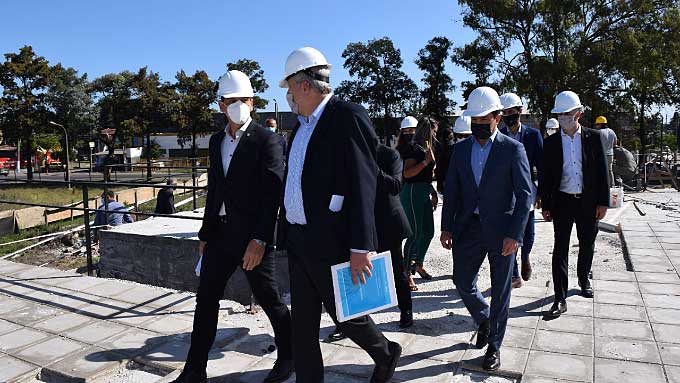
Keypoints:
(518, 337)
(347, 360)
(62, 299)
(422, 347)
(32, 313)
(654, 268)
(635, 313)
(666, 333)
(615, 286)
(50, 351)
(560, 366)
(577, 308)
(623, 329)
(513, 361)
(137, 316)
(167, 356)
(627, 349)
(104, 309)
(424, 370)
(617, 371)
(573, 324)
(169, 324)
(95, 331)
(109, 288)
(659, 315)
(530, 292)
(10, 305)
(84, 366)
(223, 363)
(618, 298)
(132, 342)
(8, 268)
(521, 319)
(657, 278)
(662, 301)
(81, 284)
(563, 343)
(17, 339)
(6, 326)
(670, 353)
(142, 295)
(673, 374)
(614, 276)
(15, 370)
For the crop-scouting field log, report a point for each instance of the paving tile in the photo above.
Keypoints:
(258, 372)
(563, 343)
(8, 268)
(518, 337)
(133, 342)
(660, 288)
(635, 313)
(221, 363)
(32, 313)
(19, 289)
(137, 316)
(61, 323)
(347, 360)
(540, 379)
(85, 366)
(12, 304)
(513, 360)
(81, 284)
(579, 308)
(50, 351)
(166, 356)
(673, 374)
(660, 315)
(658, 278)
(95, 331)
(615, 286)
(60, 298)
(670, 353)
(13, 369)
(652, 268)
(424, 370)
(142, 295)
(169, 324)
(104, 308)
(109, 288)
(662, 301)
(614, 275)
(436, 348)
(22, 337)
(618, 298)
(560, 366)
(618, 371)
(575, 324)
(530, 292)
(175, 301)
(520, 319)
(6, 326)
(666, 333)
(623, 329)
(627, 349)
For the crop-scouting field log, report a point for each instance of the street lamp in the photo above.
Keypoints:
(68, 174)
(276, 114)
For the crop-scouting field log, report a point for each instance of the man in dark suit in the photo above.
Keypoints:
(574, 189)
(533, 145)
(270, 124)
(486, 205)
(329, 208)
(244, 185)
(165, 200)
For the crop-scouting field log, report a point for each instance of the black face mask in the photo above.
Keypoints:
(511, 120)
(481, 131)
(407, 137)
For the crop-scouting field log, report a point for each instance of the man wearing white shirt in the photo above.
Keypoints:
(574, 190)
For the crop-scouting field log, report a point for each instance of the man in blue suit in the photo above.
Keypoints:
(487, 198)
(533, 145)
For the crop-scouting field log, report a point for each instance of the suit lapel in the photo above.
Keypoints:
(585, 140)
(218, 160)
(492, 153)
(467, 155)
(244, 141)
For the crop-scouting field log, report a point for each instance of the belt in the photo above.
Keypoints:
(576, 196)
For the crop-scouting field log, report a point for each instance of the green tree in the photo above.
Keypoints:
(253, 70)
(378, 80)
(24, 78)
(191, 112)
(432, 61)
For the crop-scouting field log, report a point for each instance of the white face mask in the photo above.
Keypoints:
(291, 102)
(272, 129)
(238, 112)
(567, 122)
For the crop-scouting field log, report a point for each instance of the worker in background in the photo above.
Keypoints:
(270, 124)
(551, 127)
(609, 141)
(117, 212)
(165, 200)
(533, 145)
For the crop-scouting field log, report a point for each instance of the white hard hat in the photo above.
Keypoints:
(463, 125)
(482, 101)
(552, 124)
(234, 84)
(409, 122)
(301, 59)
(566, 102)
(511, 100)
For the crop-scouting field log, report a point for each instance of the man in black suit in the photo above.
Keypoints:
(270, 124)
(165, 200)
(244, 186)
(573, 189)
(329, 208)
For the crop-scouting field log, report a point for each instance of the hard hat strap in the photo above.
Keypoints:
(312, 74)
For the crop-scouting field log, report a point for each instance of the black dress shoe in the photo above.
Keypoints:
(283, 369)
(383, 373)
(492, 359)
(406, 319)
(558, 308)
(586, 288)
(189, 376)
(483, 335)
(526, 270)
(335, 336)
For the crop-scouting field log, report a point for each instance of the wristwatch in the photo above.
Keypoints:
(260, 242)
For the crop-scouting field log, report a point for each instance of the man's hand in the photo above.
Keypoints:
(253, 255)
(537, 205)
(435, 201)
(201, 247)
(509, 246)
(546, 215)
(600, 212)
(360, 264)
(446, 240)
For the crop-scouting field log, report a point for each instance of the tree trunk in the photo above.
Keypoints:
(148, 156)
(29, 158)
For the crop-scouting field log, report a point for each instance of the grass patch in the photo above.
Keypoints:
(34, 232)
(48, 195)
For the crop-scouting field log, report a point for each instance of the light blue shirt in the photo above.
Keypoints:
(295, 208)
(572, 163)
(478, 156)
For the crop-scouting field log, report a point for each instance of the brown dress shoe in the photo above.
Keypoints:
(526, 271)
(516, 283)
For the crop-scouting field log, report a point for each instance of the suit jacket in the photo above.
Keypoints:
(165, 201)
(595, 174)
(533, 145)
(390, 219)
(340, 160)
(251, 189)
(503, 195)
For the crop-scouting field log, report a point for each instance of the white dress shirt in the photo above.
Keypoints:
(229, 145)
(295, 208)
(572, 163)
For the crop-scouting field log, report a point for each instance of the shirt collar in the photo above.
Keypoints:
(578, 132)
(316, 114)
(240, 131)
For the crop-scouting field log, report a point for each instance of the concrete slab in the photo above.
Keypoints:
(617, 371)
(666, 333)
(560, 366)
(577, 308)
(618, 298)
(23, 337)
(15, 370)
(104, 308)
(424, 370)
(59, 324)
(169, 324)
(530, 292)
(95, 331)
(61, 298)
(19, 289)
(518, 337)
(513, 361)
(623, 329)
(659, 315)
(627, 349)
(143, 295)
(223, 363)
(137, 316)
(32, 313)
(435, 348)
(658, 278)
(8, 268)
(84, 366)
(347, 360)
(573, 324)
(133, 342)
(6, 326)
(653, 268)
(9, 305)
(257, 373)
(50, 351)
(662, 301)
(109, 288)
(635, 313)
(615, 286)
(175, 302)
(521, 319)
(673, 374)
(167, 356)
(563, 343)
(670, 353)
(82, 283)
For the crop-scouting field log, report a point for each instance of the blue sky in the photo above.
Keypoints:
(98, 37)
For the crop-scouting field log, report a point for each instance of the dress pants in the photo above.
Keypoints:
(400, 278)
(218, 264)
(469, 253)
(569, 210)
(415, 197)
(527, 244)
(311, 286)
